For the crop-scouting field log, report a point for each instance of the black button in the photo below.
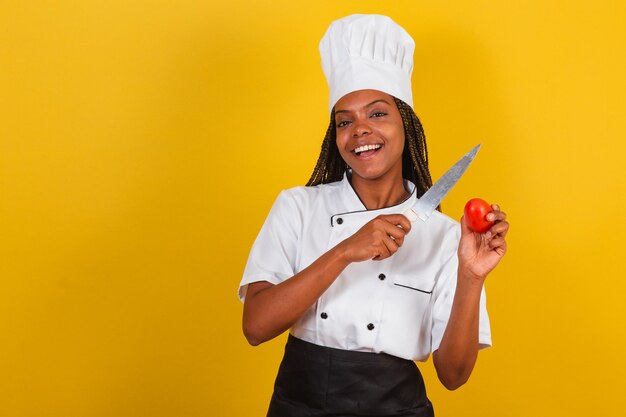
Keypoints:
(339, 220)
(370, 326)
(324, 315)
(382, 277)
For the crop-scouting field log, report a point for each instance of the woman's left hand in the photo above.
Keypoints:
(479, 253)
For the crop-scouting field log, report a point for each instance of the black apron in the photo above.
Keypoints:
(316, 381)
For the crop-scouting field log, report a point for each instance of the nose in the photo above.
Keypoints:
(360, 128)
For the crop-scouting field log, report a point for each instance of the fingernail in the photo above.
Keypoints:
(491, 217)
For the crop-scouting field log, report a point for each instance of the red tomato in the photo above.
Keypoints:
(476, 211)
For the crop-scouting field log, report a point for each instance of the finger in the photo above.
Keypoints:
(496, 216)
(387, 228)
(390, 245)
(398, 220)
(497, 243)
(464, 227)
(383, 250)
(399, 242)
(404, 223)
(500, 229)
(394, 231)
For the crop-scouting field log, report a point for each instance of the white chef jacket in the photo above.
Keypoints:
(399, 306)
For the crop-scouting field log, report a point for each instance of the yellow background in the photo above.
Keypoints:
(143, 142)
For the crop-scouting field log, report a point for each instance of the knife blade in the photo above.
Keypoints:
(431, 198)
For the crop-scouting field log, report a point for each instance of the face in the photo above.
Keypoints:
(370, 134)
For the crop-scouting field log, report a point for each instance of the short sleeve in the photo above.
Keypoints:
(444, 296)
(273, 254)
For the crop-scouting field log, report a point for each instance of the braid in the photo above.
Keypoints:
(415, 155)
(330, 166)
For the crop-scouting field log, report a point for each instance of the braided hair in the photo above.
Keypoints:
(330, 166)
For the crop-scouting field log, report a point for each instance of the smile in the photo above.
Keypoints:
(365, 148)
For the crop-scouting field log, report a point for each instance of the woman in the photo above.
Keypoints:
(364, 291)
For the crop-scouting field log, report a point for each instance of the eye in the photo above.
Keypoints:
(379, 114)
(343, 123)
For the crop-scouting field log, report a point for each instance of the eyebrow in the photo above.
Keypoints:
(367, 105)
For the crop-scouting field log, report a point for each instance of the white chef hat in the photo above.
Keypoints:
(367, 52)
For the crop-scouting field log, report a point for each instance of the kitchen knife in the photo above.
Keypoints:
(431, 198)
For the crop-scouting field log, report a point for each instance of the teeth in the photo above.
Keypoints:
(366, 148)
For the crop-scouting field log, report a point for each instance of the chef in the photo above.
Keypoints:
(363, 291)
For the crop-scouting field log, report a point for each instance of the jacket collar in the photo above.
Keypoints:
(353, 204)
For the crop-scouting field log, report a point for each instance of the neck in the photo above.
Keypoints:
(381, 192)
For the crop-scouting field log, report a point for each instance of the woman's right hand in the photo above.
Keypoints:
(378, 239)
(271, 309)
